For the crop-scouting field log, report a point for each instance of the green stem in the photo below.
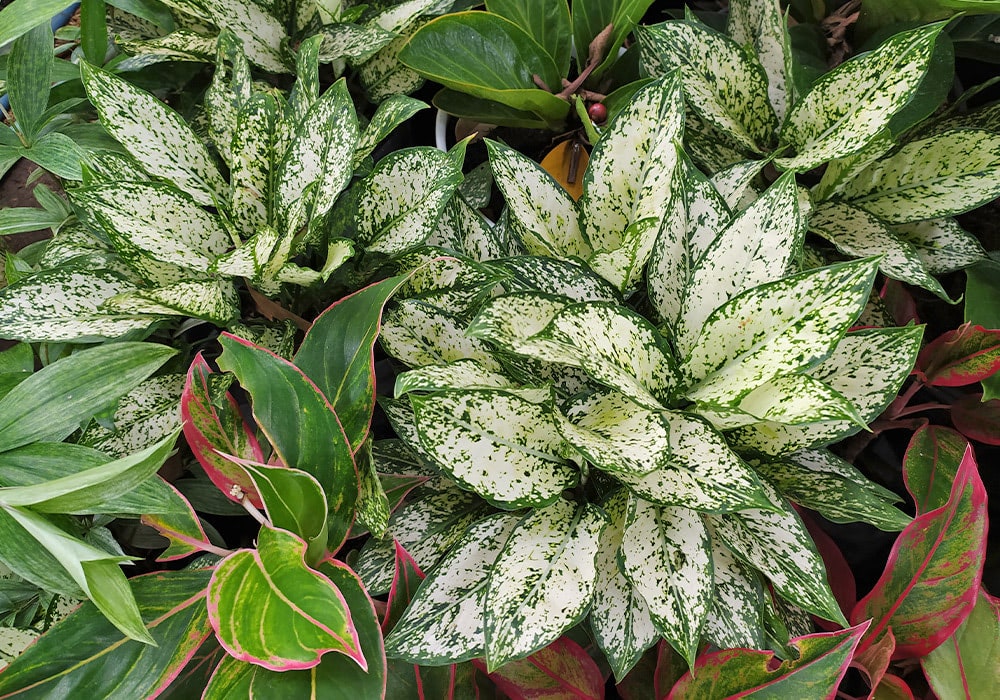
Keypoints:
(588, 126)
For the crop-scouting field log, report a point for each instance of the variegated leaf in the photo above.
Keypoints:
(400, 201)
(444, 280)
(384, 76)
(553, 276)
(419, 334)
(546, 213)
(230, 88)
(498, 444)
(250, 259)
(701, 471)
(63, 304)
(387, 117)
(761, 24)
(253, 156)
(779, 546)
(735, 183)
(620, 619)
(178, 45)
(615, 434)
(722, 82)
(214, 300)
(666, 556)
(163, 222)
(850, 105)
(856, 232)
(444, 623)
(465, 230)
(403, 15)
(757, 246)
(144, 415)
(352, 42)
(261, 32)
(542, 582)
(735, 618)
(427, 527)
(840, 171)
(319, 161)
(695, 215)
(821, 481)
(777, 328)
(461, 374)
(630, 170)
(513, 320)
(623, 266)
(946, 174)
(867, 367)
(710, 148)
(942, 244)
(155, 135)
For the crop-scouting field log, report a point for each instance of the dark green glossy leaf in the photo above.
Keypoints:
(590, 17)
(547, 21)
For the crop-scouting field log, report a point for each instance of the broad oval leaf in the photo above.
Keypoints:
(966, 664)
(418, 334)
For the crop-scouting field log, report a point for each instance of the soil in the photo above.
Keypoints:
(15, 191)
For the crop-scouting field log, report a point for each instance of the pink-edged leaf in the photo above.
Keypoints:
(934, 570)
(405, 580)
(267, 607)
(292, 411)
(210, 429)
(873, 662)
(412, 682)
(737, 673)
(892, 687)
(183, 530)
(977, 419)
(838, 571)
(967, 665)
(963, 356)
(338, 355)
(930, 464)
(560, 671)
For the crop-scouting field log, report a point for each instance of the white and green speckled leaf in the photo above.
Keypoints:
(760, 24)
(867, 367)
(667, 557)
(615, 434)
(735, 618)
(553, 276)
(758, 246)
(543, 581)
(63, 304)
(352, 42)
(427, 527)
(778, 545)
(261, 32)
(496, 443)
(623, 265)
(461, 374)
(722, 81)
(619, 618)
(180, 44)
(230, 88)
(859, 233)
(253, 156)
(946, 174)
(144, 415)
(629, 174)
(546, 213)
(850, 105)
(735, 183)
(840, 171)
(617, 347)
(446, 280)
(403, 15)
(387, 117)
(444, 622)
(695, 214)
(513, 320)
(163, 222)
(821, 481)
(710, 148)
(384, 76)
(777, 328)
(400, 202)
(942, 244)
(213, 300)
(250, 259)
(419, 334)
(700, 471)
(463, 229)
(155, 135)
(319, 161)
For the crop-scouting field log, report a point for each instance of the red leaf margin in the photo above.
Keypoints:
(963, 356)
(557, 662)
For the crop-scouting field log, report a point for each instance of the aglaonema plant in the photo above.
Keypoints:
(283, 615)
(621, 430)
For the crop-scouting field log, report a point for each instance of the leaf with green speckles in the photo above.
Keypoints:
(444, 622)
(419, 334)
(496, 443)
(461, 374)
(463, 229)
(867, 367)
(230, 88)
(779, 546)
(942, 244)
(619, 618)
(821, 481)
(700, 471)
(400, 202)
(666, 556)
(722, 81)
(849, 106)
(383, 76)
(142, 416)
(858, 233)
(623, 266)
(390, 114)
(261, 33)
(943, 175)
(513, 320)
(252, 162)
(215, 301)
(840, 171)
(250, 259)
(735, 618)
(757, 246)
(776, 328)
(564, 278)
(735, 183)
(155, 135)
(63, 304)
(445, 280)
(542, 582)
(761, 25)
(546, 213)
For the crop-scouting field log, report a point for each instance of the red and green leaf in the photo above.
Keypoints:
(930, 464)
(873, 662)
(405, 581)
(560, 671)
(838, 571)
(967, 665)
(182, 529)
(977, 419)
(963, 356)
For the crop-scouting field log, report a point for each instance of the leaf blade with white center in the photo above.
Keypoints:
(762, 26)
(554, 276)
(942, 244)
(735, 618)
(419, 334)
(216, 301)
(261, 33)
(512, 322)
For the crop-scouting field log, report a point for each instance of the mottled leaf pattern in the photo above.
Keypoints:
(761, 24)
(420, 334)
(942, 244)
(735, 618)
(552, 276)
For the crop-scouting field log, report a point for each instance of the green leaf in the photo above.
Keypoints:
(24, 219)
(487, 56)
(295, 502)
(93, 30)
(51, 404)
(444, 622)
(850, 105)
(943, 175)
(58, 154)
(762, 26)
(542, 582)
(722, 82)
(981, 309)
(20, 16)
(502, 446)
(269, 608)
(480, 111)
(155, 135)
(547, 22)
(967, 663)
(591, 17)
(29, 76)
(736, 616)
(942, 244)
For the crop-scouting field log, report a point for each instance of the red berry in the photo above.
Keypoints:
(597, 112)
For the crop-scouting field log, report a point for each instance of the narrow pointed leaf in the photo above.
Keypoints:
(144, 415)
(390, 114)
(405, 582)
(735, 618)
(942, 244)
(230, 88)
(254, 150)
(557, 277)
(563, 669)
(762, 26)
(29, 78)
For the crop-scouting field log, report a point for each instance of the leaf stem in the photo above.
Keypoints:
(254, 513)
(588, 125)
(898, 405)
